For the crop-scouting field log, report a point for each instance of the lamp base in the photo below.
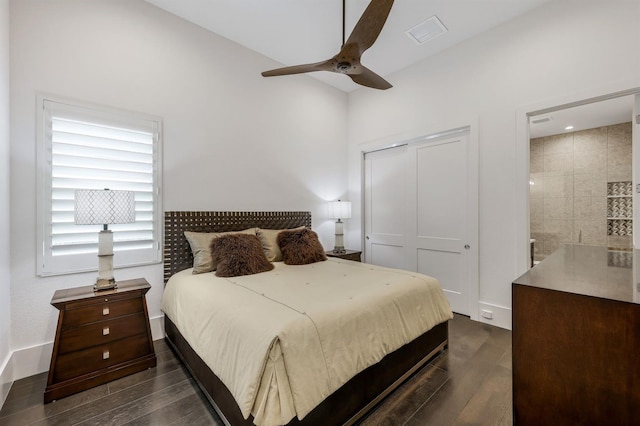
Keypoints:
(338, 247)
(102, 284)
(105, 280)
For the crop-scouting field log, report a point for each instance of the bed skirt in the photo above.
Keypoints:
(346, 405)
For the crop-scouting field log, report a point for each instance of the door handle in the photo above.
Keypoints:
(367, 237)
(467, 246)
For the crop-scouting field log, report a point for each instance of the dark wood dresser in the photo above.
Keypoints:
(354, 255)
(576, 339)
(101, 336)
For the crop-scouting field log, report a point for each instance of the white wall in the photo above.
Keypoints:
(557, 52)
(5, 276)
(232, 139)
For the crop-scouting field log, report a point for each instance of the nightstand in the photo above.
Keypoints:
(349, 255)
(101, 336)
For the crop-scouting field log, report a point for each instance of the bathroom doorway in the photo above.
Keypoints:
(580, 176)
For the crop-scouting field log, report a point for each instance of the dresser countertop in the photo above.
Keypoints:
(588, 270)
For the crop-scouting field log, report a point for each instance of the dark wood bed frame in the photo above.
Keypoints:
(346, 405)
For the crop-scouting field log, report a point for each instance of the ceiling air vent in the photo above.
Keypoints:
(427, 30)
(538, 119)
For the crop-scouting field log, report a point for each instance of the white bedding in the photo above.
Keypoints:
(284, 340)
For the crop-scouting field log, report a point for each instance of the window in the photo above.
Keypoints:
(88, 147)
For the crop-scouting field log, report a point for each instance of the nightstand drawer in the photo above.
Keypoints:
(74, 364)
(101, 311)
(101, 332)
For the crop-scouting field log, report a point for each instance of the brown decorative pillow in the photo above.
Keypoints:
(200, 243)
(300, 247)
(239, 254)
(269, 240)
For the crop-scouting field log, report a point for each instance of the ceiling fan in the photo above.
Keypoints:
(347, 61)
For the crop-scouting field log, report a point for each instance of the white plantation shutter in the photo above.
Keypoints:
(94, 148)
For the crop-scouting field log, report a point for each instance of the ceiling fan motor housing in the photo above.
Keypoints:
(343, 67)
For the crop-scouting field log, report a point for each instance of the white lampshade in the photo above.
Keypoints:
(101, 207)
(340, 209)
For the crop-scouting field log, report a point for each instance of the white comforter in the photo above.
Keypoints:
(284, 340)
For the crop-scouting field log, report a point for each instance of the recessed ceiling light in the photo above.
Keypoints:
(426, 30)
(569, 128)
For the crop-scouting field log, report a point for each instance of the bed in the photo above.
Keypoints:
(344, 396)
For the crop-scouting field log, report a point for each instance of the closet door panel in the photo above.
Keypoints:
(438, 228)
(385, 200)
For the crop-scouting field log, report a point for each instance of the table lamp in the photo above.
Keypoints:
(104, 207)
(339, 210)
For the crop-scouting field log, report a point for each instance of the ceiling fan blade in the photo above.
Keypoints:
(299, 69)
(347, 61)
(369, 25)
(370, 79)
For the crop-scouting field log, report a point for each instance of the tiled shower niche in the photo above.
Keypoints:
(619, 208)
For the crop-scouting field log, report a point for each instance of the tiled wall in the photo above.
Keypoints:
(568, 190)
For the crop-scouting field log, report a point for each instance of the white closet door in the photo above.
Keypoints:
(437, 226)
(420, 213)
(385, 190)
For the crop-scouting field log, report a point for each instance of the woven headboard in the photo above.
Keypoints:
(177, 252)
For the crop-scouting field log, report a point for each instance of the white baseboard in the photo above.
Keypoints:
(157, 327)
(32, 360)
(501, 315)
(6, 378)
(36, 359)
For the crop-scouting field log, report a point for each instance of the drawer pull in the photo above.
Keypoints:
(105, 331)
(105, 311)
(105, 355)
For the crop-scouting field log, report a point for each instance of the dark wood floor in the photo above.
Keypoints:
(469, 384)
